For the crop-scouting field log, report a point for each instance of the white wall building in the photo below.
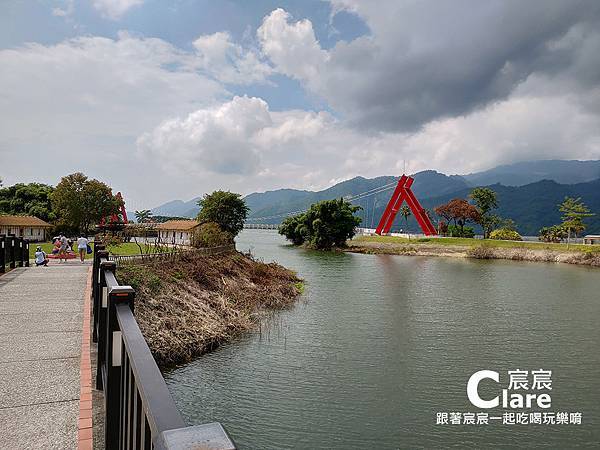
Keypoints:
(591, 239)
(26, 227)
(177, 232)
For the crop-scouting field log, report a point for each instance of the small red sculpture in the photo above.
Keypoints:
(116, 221)
(402, 193)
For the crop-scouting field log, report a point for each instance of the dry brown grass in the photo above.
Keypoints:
(188, 306)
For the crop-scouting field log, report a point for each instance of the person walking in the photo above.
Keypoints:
(64, 245)
(40, 257)
(82, 245)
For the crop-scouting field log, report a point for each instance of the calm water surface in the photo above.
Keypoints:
(379, 344)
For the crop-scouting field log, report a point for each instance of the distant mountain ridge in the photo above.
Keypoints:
(178, 208)
(532, 204)
(527, 172)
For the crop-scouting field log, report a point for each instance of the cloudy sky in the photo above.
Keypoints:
(167, 100)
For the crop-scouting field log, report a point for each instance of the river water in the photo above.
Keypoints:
(378, 345)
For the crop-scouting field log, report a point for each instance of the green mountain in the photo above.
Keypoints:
(531, 204)
(274, 203)
(178, 208)
(522, 173)
(535, 205)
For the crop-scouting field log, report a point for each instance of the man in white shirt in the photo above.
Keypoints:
(82, 244)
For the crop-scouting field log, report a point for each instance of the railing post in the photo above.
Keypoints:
(20, 252)
(2, 254)
(98, 247)
(11, 250)
(26, 252)
(102, 313)
(113, 360)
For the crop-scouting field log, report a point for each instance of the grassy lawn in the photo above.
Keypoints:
(466, 242)
(127, 248)
(130, 248)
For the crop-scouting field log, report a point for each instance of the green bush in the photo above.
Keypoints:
(293, 229)
(326, 224)
(505, 234)
(210, 234)
(456, 231)
(555, 233)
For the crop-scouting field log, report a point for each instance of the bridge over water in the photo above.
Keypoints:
(261, 226)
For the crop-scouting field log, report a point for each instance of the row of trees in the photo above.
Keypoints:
(459, 212)
(330, 223)
(75, 205)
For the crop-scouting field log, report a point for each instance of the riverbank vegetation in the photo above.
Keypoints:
(478, 248)
(189, 305)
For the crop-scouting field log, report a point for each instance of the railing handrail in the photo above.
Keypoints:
(14, 252)
(162, 414)
(139, 410)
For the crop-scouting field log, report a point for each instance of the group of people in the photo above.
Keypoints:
(62, 249)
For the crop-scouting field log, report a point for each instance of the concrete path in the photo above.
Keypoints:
(40, 349)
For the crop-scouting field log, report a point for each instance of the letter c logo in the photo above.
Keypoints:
(473, 384)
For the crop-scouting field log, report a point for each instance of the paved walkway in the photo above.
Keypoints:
(41, 317)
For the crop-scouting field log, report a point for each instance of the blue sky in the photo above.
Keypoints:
(168, 100)
(181, 23)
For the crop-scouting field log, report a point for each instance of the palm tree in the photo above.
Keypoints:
(143, 216)
(406, 213)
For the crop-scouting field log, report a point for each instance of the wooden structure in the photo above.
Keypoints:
(177, 232)
(26, 227)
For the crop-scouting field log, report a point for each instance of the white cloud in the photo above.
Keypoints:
(248, 147)
(115, 9)
(97, 104)
(293, 48)
(229, 62)
(81, 104)
(424, 62)
(212, 140)
(66, 10)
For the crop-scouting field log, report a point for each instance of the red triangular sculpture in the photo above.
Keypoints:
(402, 193)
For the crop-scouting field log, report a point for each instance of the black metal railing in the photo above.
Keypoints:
(139, 410)
(14, 252)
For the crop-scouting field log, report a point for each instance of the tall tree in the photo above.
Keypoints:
(486, 200)
(226, 209)
(80, 203)
(31, 199)
(574, 211)
(459, 211)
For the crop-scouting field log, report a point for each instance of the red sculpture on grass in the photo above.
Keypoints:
(402, 193)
